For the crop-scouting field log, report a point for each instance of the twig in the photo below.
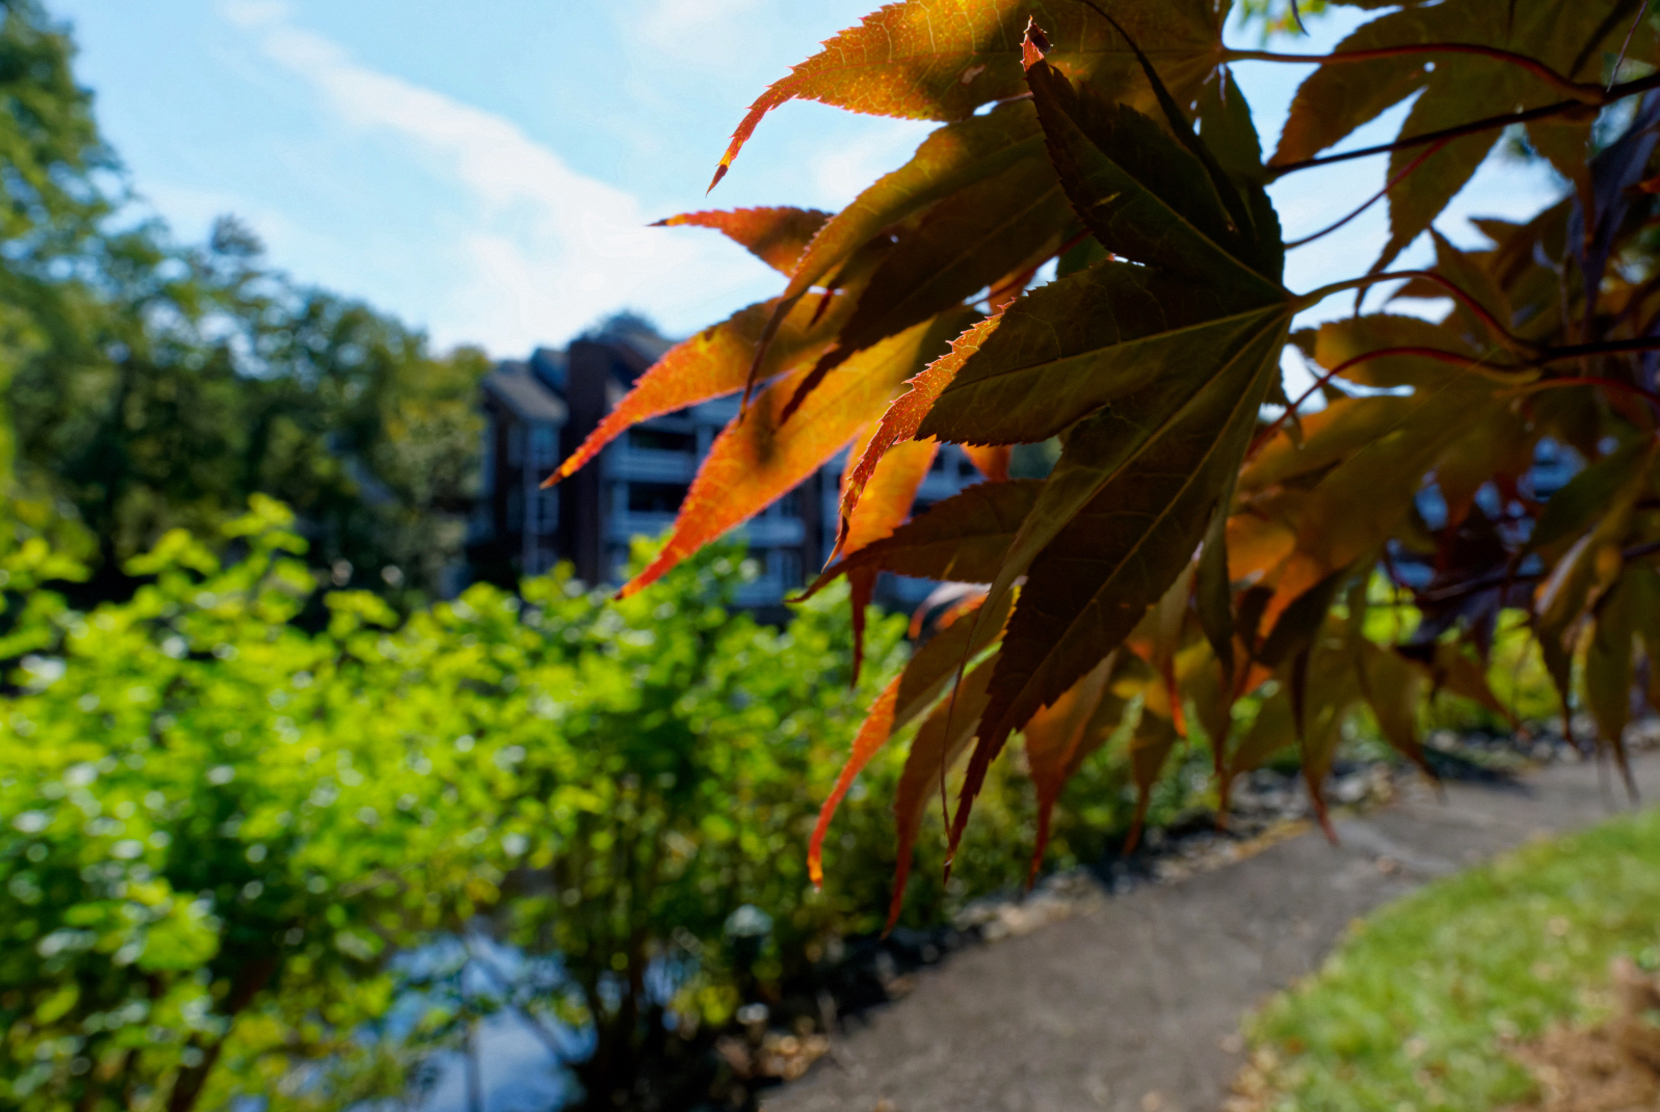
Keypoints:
(1614, 70)
(1587, 94)
(1375, 198)
(1474, 127)
(1589, 380)
(1500, 579)
(1437, 354)
(1297, 15)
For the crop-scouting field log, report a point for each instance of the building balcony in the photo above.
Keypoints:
(625, 462)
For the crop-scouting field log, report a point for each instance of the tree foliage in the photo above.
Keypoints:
(150, 386)
(1203, 537)
(239, 858)
(230, 845)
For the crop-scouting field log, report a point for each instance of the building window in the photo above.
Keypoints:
(544, 447)
(656, 440)
(790, 504)
(487, 477)
(547, 511)
(515, 510)
(785, 565)
(515, 445)
(655, 498)
(480, 526)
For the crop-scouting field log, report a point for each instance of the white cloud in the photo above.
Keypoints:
(706, 30)
(543, 249)
(254, 13)
(845, 169)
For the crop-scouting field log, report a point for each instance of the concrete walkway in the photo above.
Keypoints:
(1135, 1006)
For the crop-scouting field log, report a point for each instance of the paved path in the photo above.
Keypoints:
(1135, 1006)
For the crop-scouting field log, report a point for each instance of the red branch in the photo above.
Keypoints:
(1475, 127)
(1437, 354)
(1375, 198)
(1587, 94)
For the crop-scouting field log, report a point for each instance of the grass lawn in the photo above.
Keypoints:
(1409, 1013)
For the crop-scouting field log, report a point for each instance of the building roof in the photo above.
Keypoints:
(524, 394)
(648, 344)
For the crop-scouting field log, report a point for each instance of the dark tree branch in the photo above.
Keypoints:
(1500, 579)
(1437, 354)
(1591, 380)
(1510, 340)
(1475, 127)
(1587, 94)
(1374, 199)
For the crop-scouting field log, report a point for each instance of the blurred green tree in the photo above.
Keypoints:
(220, 832)
(150, 386)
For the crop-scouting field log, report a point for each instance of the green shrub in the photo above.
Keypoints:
(218, 829)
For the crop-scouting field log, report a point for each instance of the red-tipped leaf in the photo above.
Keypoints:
(751, 464)
(776, 236)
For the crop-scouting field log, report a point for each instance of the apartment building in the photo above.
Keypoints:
(540, 409)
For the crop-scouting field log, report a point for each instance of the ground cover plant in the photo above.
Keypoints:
(1417, 1005)
(1202, 537)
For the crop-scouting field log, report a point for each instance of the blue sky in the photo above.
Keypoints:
(486, 170)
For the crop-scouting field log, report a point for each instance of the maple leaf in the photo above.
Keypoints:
(1187, 294)
(1609, 669)
(1150, 746)
(715, 362)
(855, 240)
(1548, 39)
(950, 159)
(942, 59)
(1188, 547)
(940, 740)
(1394, 688)
(1059, 737)
(750, 465)
(892, 489)
(776, 236)
(964, 538)
(926, 678)
(1008, 223)
(905, 415)
(1163, 389)
(992, 460)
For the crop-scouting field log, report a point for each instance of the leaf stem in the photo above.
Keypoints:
(1586, 94)
(1642, 9)
(1315, 296)
(1375, 198)
(1475, 127)
(1508, 339)
(1457, 359)
(1589, 380)
(1437, 354)
(1488, 582)
(1604, 347)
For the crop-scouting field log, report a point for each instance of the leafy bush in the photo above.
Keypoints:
(220, 831)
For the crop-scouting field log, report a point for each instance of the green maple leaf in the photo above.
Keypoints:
(1153, 368)
(1341, 96)
(942, 59)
